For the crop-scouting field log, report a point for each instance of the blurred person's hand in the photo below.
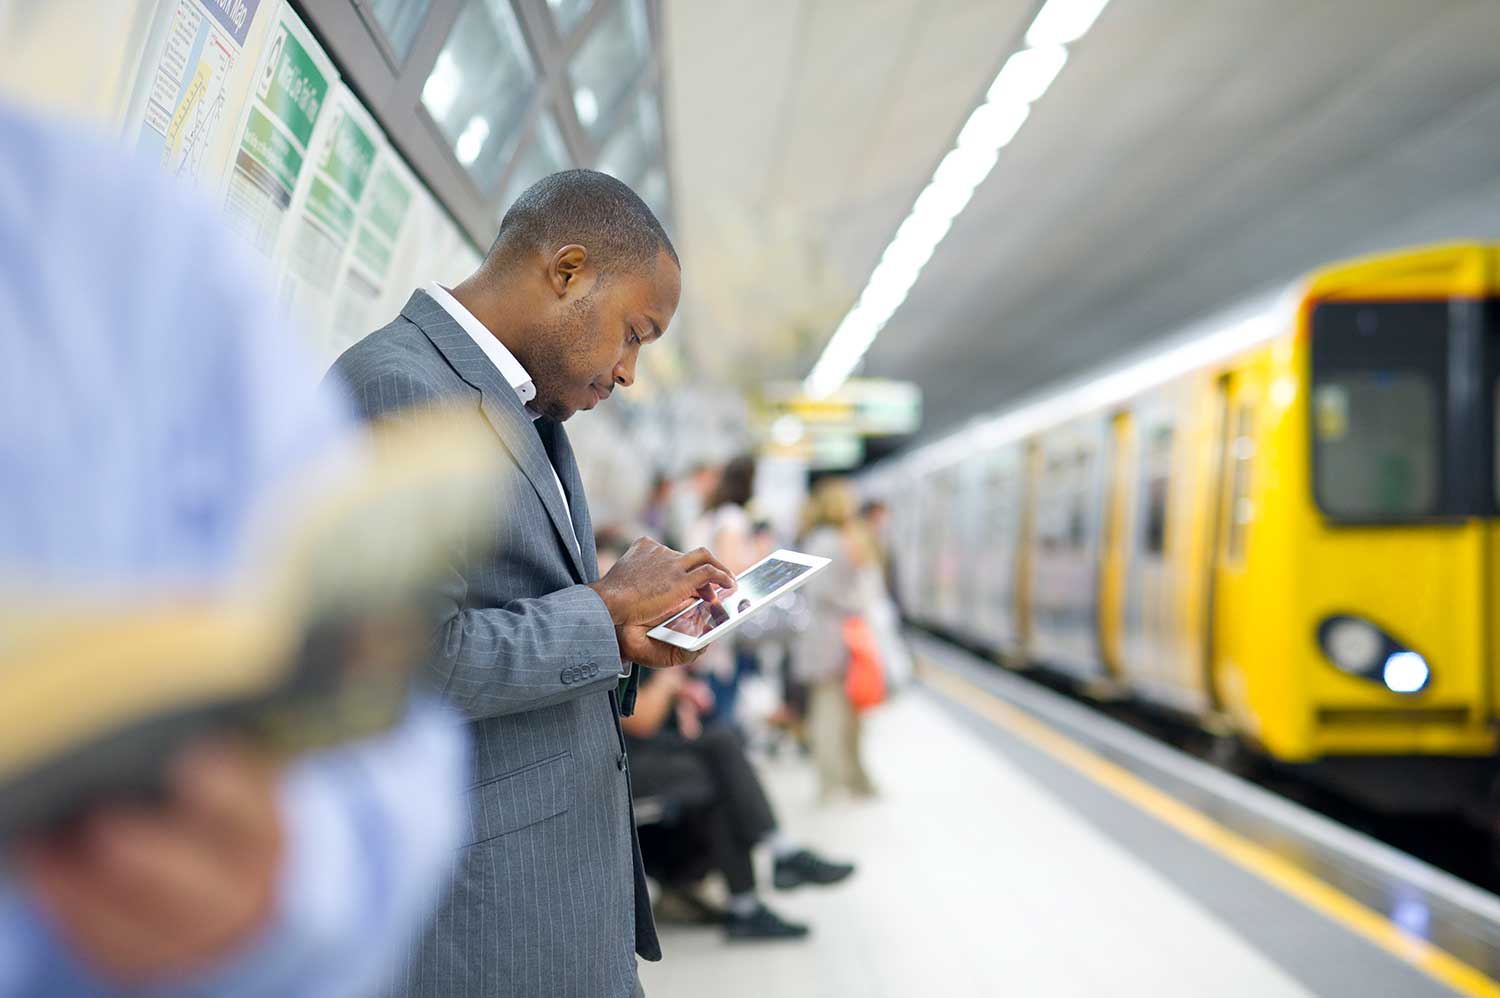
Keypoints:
(689, 723)
(649, 584)
(148, 892)
(698, 694)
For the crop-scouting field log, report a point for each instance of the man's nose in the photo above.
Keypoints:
(625, 371)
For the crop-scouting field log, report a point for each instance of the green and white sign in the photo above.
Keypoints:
(291, 92)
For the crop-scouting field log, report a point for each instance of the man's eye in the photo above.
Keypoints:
(635, 337)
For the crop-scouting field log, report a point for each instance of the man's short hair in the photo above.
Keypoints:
(589, 208)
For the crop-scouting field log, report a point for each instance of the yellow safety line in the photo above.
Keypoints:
(1436, 963)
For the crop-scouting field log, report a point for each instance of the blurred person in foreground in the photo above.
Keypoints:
(149, 407)
(833, 530)
(549, 895)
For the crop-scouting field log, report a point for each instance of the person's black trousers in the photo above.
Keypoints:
(717, 790)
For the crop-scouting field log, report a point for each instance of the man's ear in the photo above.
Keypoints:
(569, 264)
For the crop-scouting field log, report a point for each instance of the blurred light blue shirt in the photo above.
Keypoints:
(149, 397)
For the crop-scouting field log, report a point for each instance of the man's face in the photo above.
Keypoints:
(590, 344)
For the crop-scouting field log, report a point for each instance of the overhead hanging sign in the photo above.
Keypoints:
(864, 406)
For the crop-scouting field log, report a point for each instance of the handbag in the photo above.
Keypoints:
(864, 683)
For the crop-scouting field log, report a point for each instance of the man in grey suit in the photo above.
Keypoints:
(548, 898)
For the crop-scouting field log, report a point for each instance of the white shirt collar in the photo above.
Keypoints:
(505, 362)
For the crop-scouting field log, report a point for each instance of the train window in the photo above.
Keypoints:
(1377, 444)
(1380, 387)
(1240, 509)
(1078, 500)
(1158, 461)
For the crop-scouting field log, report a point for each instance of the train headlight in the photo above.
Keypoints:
(1405, 672)
(1352, 644)
(1359, 648)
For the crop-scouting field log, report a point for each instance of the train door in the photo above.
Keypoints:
(1115, 543)
(1231, 617)
(1066, 551)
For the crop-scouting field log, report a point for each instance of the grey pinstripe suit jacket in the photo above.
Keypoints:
(548, 898)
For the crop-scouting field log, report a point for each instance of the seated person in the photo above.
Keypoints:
(704, 773)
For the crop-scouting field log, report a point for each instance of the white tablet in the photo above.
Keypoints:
(758, 586)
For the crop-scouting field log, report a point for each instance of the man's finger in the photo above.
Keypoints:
(702, 556)
(711, 575)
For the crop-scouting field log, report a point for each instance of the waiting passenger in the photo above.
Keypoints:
(537, 648)
(703, 773)
(821, 660)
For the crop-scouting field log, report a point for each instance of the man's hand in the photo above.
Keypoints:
(146, 892)
(649, 584)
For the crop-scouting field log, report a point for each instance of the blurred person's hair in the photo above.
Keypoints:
(589, 208)
(736, 483)
(833, 503)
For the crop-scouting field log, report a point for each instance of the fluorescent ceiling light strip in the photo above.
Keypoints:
(1028, 74)
(991, 126)
(1063, 21)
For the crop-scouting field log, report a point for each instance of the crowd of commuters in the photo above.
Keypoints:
(487, 844)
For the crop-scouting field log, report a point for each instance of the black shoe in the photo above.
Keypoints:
(762, 923)
(681, 906)
(806, 867)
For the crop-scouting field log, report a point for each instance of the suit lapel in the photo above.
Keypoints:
(504, 411)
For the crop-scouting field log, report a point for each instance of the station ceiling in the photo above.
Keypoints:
(1190, 154)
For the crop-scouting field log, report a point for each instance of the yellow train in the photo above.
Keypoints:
(1284, 527)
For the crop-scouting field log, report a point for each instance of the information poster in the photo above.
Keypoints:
(370, 264)
(186, 81)
(326, 211)
(292, 86)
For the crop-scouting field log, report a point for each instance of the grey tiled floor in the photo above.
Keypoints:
(973, 881)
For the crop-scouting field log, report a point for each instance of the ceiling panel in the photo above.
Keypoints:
(1189, 155)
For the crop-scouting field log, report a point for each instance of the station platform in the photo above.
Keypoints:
(1023, 844)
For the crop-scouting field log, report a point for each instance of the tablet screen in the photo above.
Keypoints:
(753, 587)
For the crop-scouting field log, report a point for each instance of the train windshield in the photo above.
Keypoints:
(1403, 424)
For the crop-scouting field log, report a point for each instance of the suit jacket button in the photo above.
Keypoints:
(566, 676)
(620, 762)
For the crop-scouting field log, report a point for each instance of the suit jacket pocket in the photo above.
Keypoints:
(520, 798)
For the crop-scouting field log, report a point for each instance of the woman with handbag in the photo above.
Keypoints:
(835, 654)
